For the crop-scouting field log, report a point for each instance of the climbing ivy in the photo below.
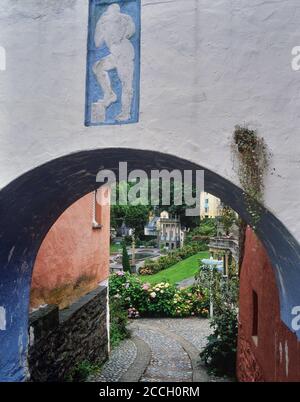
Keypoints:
(252, 156)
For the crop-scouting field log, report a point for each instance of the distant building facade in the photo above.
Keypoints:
(209, 205)
(167, 229)
(226, 249)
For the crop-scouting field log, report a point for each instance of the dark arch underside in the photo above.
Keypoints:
(31, 204)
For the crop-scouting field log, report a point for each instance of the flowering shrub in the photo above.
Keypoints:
(191, 301)
(133, 313)
(128, 290)
(162, 299)
(153, 266)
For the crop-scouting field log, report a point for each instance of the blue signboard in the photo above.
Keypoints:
(113, 62)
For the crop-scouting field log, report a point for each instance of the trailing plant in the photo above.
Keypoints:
(252, 155)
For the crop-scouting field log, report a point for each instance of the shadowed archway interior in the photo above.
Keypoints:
(31, 204)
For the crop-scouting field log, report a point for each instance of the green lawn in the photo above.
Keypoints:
(182, 270)
(115, 247)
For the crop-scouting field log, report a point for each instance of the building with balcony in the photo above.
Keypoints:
(167, 229)
(226, 249)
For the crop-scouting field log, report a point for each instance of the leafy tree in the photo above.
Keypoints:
(227, 218)
(179, 210)
(136, 217)
(206, 229)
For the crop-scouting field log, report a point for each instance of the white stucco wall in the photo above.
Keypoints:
(205, 67)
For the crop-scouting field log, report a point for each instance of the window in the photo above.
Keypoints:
(255, 317)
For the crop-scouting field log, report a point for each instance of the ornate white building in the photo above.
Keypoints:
(167, 229)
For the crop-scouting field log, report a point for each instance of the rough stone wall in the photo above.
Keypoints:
(73, 257)
(276, 357)
(61, 339)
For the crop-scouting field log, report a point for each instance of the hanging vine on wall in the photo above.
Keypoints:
(252, 155)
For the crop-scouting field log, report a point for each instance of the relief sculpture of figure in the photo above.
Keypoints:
(114, 29)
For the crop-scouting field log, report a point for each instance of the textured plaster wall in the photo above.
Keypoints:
(205, 67)
(276, 356)
(73, 257)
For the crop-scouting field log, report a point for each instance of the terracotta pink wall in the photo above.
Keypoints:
(73, 257)
(276, 357)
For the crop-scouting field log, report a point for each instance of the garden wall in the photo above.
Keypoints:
(61, 339)
(267, 349)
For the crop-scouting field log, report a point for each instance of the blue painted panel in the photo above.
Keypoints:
(111, 63)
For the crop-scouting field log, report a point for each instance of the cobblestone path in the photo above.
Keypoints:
(119, 361)
(169, 361)
(172, 347)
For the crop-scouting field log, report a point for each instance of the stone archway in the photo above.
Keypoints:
(31, 204)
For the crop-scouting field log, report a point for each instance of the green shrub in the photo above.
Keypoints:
(206, 229)
(219, 354)
(82, 371)
(118, 322)
(125, 259)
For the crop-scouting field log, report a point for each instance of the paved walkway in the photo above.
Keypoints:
(186, 283)
(160, 350)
